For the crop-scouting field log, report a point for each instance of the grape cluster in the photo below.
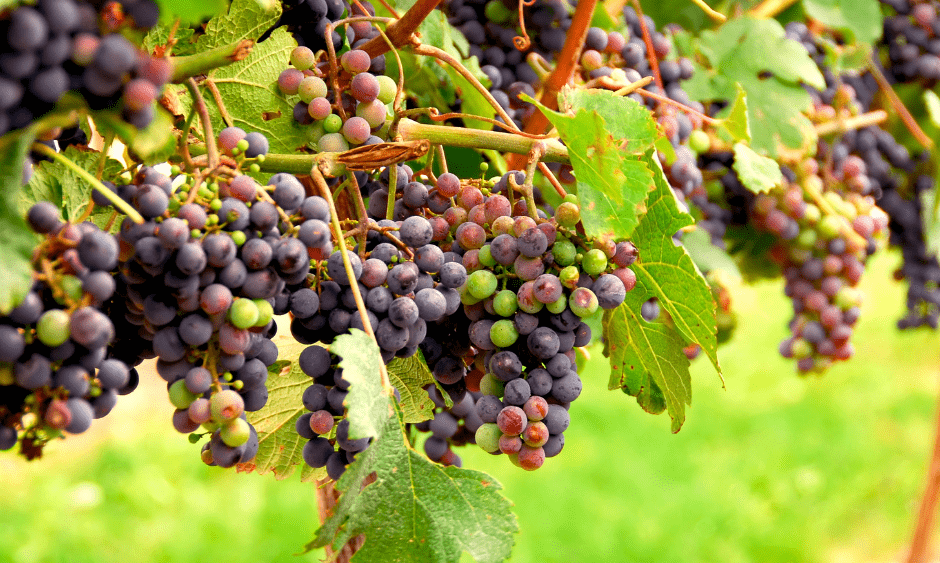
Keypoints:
(202, 277)
(53, 346)
(325, 426)
(450, 427)
(822, 245)
(364, 99)
(912, 37)
(56, 46)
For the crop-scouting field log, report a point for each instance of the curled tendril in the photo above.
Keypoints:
(522, 42)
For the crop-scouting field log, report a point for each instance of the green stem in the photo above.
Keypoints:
(478, 139)
(201, 63)
(95, 182)
(392, 190)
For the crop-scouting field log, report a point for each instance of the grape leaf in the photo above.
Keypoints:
(159, 35)
(625, 118)
(191, 12)
(737, 124)
(417, 510)
(648, 356)
(758, 173)
(59, 184)
(367, 402)
(16, 238)
(859, 19)
(248, 89)
(772, 80)
(410, 376)
(280, 448)
(612, 182)
(246, 19)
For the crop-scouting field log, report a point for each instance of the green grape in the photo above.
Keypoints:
(505, 303)
(829, 226)
(594, 262)
(466, 298)
(311, 87)
(492, 385)
(481, 284)
(569, 276)
(242, 146)
(235, 433)
(496, 11)
(564, 252)
(53, 327)
(332, 123)
(699, 141)
(583, 302)
(572, 198)
(503, 333)
(265, 312)
(243, 313)
(387, 89)
(802, 349)
(486, 257)
(487, 437)
(568, 214)
(558, 306)
(180, 396)
(239, 238)
(302, 58)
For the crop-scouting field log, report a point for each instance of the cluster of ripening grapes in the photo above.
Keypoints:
(59, 45)
(364, 99)
(822, 245)
(913, 40)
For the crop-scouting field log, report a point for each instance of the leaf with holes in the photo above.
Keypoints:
(417, 510)
(280, 448)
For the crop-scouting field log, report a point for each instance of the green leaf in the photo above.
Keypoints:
(191, 12)
(842, 59)
(280, 448)
(417, 510)
(16, 238)
(736, 124)
(625, 118)
(152, 145)
(159, 35)
(771, 69)
(860, 20)
(612, 181)
(410, 376)
(758, 173)
(932, 102)
(60, 185)
(246, 19)
(648, 356)
(252, 100)
(367, 403)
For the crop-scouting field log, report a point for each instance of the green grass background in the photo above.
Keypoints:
(772, 468)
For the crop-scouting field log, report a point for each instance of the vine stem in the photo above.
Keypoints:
(920, 543)
(561, 74)
(857, 122)
(898, 105)
(95, 182)
(201, 63)
(399, 32)
(211, 148)
(679, 105)
(457, 137)
(770, 8)
(717, 16)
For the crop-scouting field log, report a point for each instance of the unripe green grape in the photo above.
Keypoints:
(387, 89)
(503, 333)
(564, 252)
(210, 426)
(583, 302)
(568, 215)
(226, 405)
(496, 11)
(848, 297)
(811, 214)
(699, 141)
(235, 433)
(53, 327)
(802, 349)
(572, 198)
(486, 257)
(558, 306)
(311, 87)
(302, 58)
(492, 385)
(505, 303)
(242, 146)
(180, 396)
(487, 437)
(569, 276)
(239, 238)
(807, 238)
(332, 123)
(829, 226)
(265, 312)
(481, 284)
(594, 262)
(243, 313)
(333, 142)
(467, 298)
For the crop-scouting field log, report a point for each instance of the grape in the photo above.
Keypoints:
(547, 288)
(505, 365)
(568, 388)
(517, 392)
(609, 291)
(416, 231)
(373, 112)
(82, 415)
(332, 142)
(302, 58)
(432, 305)
(510, 444)
(364, 87)
(215, 299)
(481, 284)
(535, 435)
(543, 343)
(317, 452)
(180, 396)
(73, 379)
(403, 278)
(528, 269)
(453, 275)
(235, 432)
(531, 458)
(311, 87)
(53, 327)
(43, 217)
(487, 437)
(505, 303)
(320, 109)
(594, 262)
(403, 312)
(443, 425)
(356, 61)
(12, 344)
(257, 144)
(289, 81)
(198, 380)
(226, 405)
(583, 302)
(8, 438)
(356, 130)
(448, 184)
(503, 333)
(337, 269)
(511, 420)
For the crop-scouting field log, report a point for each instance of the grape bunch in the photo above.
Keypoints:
(56, 46)
(450, 427)
(53, 345)
(364, 98)
(912, 37)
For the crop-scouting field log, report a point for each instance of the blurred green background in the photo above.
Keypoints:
(772, 468)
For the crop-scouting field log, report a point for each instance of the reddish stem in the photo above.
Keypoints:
(400, 31)
(650, 51)
(920, 543)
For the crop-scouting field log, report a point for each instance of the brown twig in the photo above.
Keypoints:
(217, 97)
(898, 105)
(212, 151)
(522, 42)
(923, 528)
(683, 107)
(650, 51)
(857, 122)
